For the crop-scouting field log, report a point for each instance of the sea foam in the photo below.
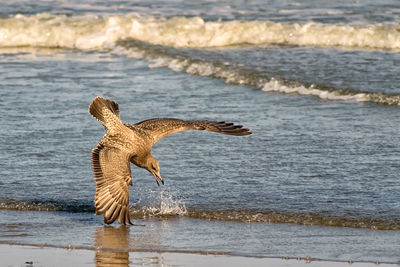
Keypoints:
(94, 32)
(140, 37)
(234, 74)
(275, 86)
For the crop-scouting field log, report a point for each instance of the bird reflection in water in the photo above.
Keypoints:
(112, 246)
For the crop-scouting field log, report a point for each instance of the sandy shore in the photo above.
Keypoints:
(25, 255)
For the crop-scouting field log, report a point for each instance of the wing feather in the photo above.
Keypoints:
(161, 127)
(112, 175)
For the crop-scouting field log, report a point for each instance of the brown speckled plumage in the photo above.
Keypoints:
(125, 143)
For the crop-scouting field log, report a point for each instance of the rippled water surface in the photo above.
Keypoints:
(318, 88)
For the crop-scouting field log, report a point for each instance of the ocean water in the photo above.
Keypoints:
(317, 83)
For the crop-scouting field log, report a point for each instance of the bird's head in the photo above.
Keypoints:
(154, 168)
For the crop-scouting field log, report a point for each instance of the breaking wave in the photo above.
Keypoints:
(93, 32)
(177, 60)
(158, 40)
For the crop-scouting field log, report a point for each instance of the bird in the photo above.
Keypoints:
(131, 143)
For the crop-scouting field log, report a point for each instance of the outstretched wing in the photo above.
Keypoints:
(112, 175)
(161, 127)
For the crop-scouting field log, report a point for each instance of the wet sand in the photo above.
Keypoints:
(25, 255)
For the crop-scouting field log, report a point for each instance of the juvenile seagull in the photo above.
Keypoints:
(125, 143)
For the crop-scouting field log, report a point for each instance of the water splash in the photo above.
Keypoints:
(159, 204)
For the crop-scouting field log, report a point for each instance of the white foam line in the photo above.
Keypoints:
(235, 76)
(275, 86)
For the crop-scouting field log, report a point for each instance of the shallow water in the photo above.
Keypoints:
(180, 234)
(324, 151)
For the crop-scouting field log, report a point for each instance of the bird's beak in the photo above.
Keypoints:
(158, 177)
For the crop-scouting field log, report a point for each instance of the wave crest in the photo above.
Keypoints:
(93, 32)
(176, 60)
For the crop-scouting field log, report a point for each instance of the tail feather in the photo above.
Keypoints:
(104, 110)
